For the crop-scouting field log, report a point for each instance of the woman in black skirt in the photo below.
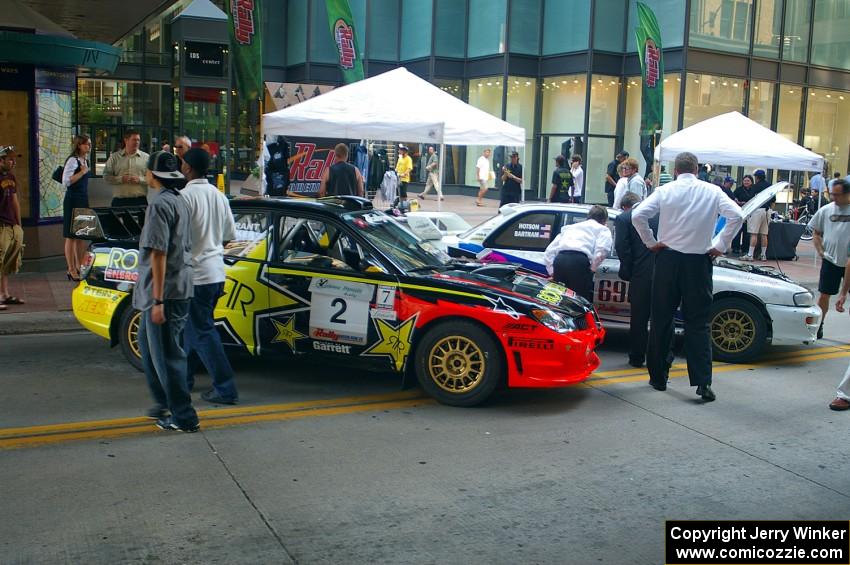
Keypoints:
(75, 179)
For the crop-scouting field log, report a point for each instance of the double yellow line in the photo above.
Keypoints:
(32, 436)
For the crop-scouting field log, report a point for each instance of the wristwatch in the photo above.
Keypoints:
(158, 302)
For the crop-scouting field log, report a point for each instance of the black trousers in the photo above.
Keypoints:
(572, 269)
(640, 297)
(610, 196)
(686, 279)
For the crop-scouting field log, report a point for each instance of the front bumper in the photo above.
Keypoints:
(793, 325)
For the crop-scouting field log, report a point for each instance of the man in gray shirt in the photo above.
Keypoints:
(163, 293)
(831, 227)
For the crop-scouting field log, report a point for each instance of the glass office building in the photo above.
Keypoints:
(565, 70)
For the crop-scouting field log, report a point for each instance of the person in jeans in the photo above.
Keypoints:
(162, 294)
(432, 169)
(212, 225)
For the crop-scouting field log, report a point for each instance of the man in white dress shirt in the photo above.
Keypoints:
(578, 179)
(576, 252)
(688, 210)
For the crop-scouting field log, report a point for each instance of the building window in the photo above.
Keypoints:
(450, 29)
(604, 95)
(722, 25)
(633, 93)
(564, 104)
(761, 102)
(608, 25)
(788, 116)
(707, 96)
(827, 113)
(831, 43)
(566, 26)
(486, 27)
(322, 45)
(768, 29)
(383, 30)
(484, 94)
(525, 26)
(671, 19)
(795, 45)
(522, 93)
(417, 18)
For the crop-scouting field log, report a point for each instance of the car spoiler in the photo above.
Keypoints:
(119, 224)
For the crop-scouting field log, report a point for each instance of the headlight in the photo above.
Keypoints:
(804, 299)
(553, 320)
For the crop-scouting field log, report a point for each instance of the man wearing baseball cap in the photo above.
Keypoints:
(11, 232)
(163, 293)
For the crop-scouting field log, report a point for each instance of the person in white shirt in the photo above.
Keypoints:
(578, 179)
(484, 175)
(631, 182)
(576, 252)
(688, 210)
(211, 225)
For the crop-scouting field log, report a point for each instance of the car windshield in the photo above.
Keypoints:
(395, 241)
(453, 222)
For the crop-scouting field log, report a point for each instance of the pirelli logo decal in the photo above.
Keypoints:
(529, 343)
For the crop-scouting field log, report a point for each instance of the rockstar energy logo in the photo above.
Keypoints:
(652, 59)
(344, 36)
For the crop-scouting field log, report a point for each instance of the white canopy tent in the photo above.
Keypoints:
(734, 139)
(396, 105)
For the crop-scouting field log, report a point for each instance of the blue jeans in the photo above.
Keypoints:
(204, 344)
(164, 361)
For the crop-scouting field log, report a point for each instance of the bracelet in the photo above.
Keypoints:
(158, 302)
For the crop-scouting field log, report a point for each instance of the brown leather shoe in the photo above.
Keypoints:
(839, 404)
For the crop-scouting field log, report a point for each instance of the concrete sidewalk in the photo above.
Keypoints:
(46, 290)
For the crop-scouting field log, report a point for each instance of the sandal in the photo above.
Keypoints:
(2, 307)
(12, 300)
(421, 196)
(479, 204)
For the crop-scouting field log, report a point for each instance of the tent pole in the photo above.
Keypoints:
(441, 158)
(522, 188)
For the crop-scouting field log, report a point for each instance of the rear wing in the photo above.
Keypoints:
(120, 224)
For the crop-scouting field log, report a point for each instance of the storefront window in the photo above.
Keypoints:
(454, 153)
(383, 30)
(486, 27)
(831, 43)
(795, 46)
(520, 112)
(827, 114)
(788, 117)
(416, 25)
(631, 137)
(450, 28)
(671, 19)
(566, 26)
(707, 96)
(604, 94)
(564, 104)
(768, 29)
(600, 151)
(322, 45)
(608, 23)
(525, 26)
(296, 33)
(761, 102)
(723, 25)
(484, 94)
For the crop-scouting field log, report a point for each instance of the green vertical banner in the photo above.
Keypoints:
(342, 32)
(652, 70)
(246, 47)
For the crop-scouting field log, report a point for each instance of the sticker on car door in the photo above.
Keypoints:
(339, 310)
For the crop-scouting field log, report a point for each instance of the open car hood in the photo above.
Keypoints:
(762, 198)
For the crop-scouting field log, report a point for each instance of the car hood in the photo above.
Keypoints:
(753, 269)
(762, 198)
(516, 281)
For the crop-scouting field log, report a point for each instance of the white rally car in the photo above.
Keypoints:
(754, 305)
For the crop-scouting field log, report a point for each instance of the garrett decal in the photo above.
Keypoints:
(519, 327)
(527, 343)
(331, 347)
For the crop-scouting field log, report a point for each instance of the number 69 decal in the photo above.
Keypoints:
(612, 291)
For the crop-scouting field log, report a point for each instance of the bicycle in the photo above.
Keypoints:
(803, 217)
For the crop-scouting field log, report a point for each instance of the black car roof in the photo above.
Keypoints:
(336, 205)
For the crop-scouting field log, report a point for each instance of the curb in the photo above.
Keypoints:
(38, 323)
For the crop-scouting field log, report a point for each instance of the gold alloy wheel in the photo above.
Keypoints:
(133, 334)
(456, 364)
(732, 331)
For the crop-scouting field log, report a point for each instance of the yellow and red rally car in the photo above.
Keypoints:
(336, 279)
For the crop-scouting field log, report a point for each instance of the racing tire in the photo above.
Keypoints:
(128, 336)
(738, 330)
(459, 363)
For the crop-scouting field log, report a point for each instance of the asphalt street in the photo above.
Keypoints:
(323, 464)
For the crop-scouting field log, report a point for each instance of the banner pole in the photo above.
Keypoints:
(440, 159)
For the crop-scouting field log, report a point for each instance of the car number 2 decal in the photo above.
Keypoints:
(340, 310)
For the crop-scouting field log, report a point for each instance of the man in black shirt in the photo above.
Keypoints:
(511, 181)
(341, 178)
(611, 177)
(758, 221)
(563, 183)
